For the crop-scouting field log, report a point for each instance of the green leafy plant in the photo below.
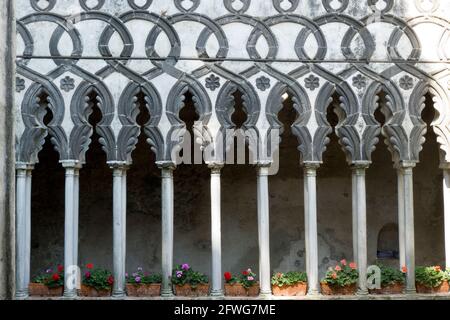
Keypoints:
(183, 274)
(289, 278)
(342, 275)
(140, 277)
(52, 278)
(98, 278)
(247, 278)
(229, 278)
(431, 277)
(390, 276)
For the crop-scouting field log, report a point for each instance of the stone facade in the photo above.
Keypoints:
(74, 55)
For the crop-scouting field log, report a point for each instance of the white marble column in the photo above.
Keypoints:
(71, 228)
(446, 194)
(311, 243)
(360, 225)
(23, 229)
(406, 174)
(119, 228)
(216, 232)
(264, 229)
(354, 219)
(167, 199)
(401, 219)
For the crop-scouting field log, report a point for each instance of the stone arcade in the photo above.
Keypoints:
(365, 58)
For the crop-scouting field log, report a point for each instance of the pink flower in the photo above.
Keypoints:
(334, 275)
(404, 269)
(352, 265)
(185, 267)
(337, 268)
(344, 262)
(87, 274)
(250, 278)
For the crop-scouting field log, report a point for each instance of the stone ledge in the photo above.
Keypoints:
(273, 298)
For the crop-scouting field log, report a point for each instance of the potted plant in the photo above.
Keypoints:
(244, 285)
(289, 284)
(341, 280)
(97, 282)
(233, 288)
(143, 284)
(189, 283)
(392, 280)
(432, 280)
(48, 284)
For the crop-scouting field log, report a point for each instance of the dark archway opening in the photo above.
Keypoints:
(95, 207)
(47, 204)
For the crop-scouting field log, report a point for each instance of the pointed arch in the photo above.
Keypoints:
(82, 131)
(128, 111)
(33, 137)
(175, 103)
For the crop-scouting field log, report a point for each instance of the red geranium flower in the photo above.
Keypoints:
(337, 268)
(352, 265)
(87, 274)
(227, 276)
(334, 275)
(245, 273)
(60, 268)
(110, 280)
(90, 266)
(55, 277)
(344, 262)
(404, 269)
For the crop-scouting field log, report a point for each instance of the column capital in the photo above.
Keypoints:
(71, 164)
(24, 166)
(406, 164)
(215, 167)
(169, 165)
(444, 165)
(311, 165)
(120, 165)
(360, 165)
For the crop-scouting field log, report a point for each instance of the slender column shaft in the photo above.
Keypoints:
(408, 203)
(311, 246)
(119, 229)
(167, 229)
(446, 190)
(23, 230)
(216, 233)
(354, 218)
(71, 230)
(359, 196)
(401, 218)
(264, 229)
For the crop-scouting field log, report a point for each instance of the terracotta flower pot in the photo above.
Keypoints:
(41, 290)
(88, 291)
(395, 288)
(443, 288)
(235, 290)
(298, 289)
(143, 290)
(187, 290)
(337, 291)
(253, 291)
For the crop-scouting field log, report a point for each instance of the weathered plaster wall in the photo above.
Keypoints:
(239, 218)
(7, 74)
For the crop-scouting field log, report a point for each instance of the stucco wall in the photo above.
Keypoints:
(239, 218)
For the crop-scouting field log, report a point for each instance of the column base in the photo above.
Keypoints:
(362, 292)
(313, 292)
(167, 293)
(22, 295)
(119, 294)
(265, 294)
(70, 295)
(410, 291)
(217, 293)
